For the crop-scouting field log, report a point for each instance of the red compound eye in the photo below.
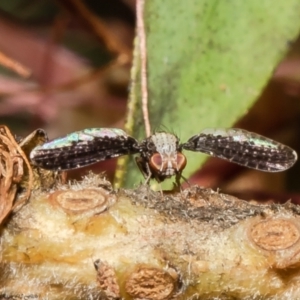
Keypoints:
(157, 164)
(181, 161)
(156, 161)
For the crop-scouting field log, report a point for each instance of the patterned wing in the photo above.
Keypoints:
(244, 148)
(83, 148)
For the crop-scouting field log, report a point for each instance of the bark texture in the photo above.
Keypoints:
(86, 241)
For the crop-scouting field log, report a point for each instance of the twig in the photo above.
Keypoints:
(14, 65)
(99, 28)
(143, 54)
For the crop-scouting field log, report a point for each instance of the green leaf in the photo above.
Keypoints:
(208, 61)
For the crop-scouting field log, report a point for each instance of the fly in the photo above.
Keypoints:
(160, 155)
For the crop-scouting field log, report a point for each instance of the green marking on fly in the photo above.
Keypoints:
(87, 135)
(160, 155)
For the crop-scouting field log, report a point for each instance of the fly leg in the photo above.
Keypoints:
(144, 168)
(177, 185)
(186, 180)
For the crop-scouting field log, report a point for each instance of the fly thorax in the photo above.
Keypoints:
(165, 143)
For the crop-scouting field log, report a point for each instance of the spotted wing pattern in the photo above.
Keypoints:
(83, 148)
(244, 148)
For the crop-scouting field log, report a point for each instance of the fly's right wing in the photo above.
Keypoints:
(83, 148)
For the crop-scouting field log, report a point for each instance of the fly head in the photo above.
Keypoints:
(161, 157)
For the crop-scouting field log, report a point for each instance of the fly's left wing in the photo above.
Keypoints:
(244, 148)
